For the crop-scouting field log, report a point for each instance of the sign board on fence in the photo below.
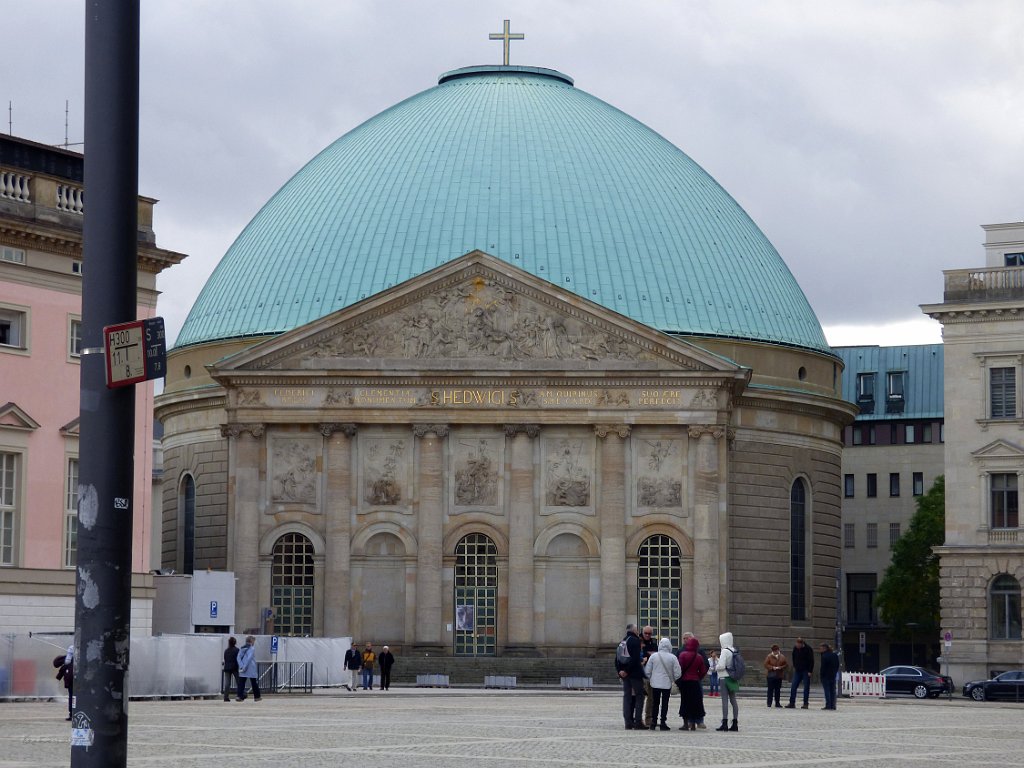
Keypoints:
(273, 645)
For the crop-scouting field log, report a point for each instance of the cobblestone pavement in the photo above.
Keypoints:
(526, 729)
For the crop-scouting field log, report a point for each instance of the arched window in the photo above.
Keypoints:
(187, 517)
(659, 587)
(291, 585)
(476, 596)
(798, 551)
(1005, 608)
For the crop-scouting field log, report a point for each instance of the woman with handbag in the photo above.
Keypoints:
(662, 669)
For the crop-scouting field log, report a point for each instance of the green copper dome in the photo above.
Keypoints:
(517, 162)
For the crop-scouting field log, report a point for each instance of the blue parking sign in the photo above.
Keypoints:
(273, 645)
(213, 609)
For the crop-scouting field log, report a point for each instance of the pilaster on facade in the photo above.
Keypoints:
(236, 430)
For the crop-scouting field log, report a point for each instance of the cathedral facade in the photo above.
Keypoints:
(465, 456)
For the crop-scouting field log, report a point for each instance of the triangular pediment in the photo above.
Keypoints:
(999, 449)
(476, 313)
(13, 417)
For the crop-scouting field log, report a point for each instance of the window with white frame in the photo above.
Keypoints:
(13, 328)
(71, 514)
(74, 337)
(1002, 393)
(896, 382)
(1003, 499)
(8, 505)
(1004, 608)
(13, 255)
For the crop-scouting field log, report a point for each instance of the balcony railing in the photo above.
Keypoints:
(986, 284)
(1005, 536)
(15, 186)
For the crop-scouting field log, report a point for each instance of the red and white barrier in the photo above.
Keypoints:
(862, 684)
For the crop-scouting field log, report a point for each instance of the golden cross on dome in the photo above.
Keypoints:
(505, 35)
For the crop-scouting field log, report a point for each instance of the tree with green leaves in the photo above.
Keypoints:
(908, 597)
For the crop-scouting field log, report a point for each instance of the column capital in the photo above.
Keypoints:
(329, 428)
(237, 430)
(422, 430)
(603, 430)
(530, 430)
(716, 431)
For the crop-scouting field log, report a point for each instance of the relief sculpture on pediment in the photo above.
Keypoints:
(478, 318)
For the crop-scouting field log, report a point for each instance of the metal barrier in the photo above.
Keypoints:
(285, 676)
(861, 684)
(432, 681)
(577, 683)
(499, 681)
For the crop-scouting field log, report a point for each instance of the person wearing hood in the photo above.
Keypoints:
(662, 669)
(632, 675)
(693, 668)
(729, 686)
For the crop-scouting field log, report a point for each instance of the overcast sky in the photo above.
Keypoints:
(868, 140)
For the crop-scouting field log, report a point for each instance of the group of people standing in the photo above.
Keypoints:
(802, 655)
(649, 669)
(362, 664)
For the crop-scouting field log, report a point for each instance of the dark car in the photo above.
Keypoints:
(915, 680)
(1008, 686)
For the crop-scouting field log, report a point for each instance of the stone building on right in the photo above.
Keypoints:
(982, 559)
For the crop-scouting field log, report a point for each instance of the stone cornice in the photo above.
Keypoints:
(175, 404)
(950, 315)
(435, 379)
(149, 258)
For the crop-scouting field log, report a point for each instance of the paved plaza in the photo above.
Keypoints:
(415, 728)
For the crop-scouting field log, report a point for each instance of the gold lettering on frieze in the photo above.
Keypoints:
(568, 397)
(385, 396)
(661, 397)
(292, 395)
(445, 397)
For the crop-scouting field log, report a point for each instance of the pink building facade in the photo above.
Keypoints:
(41, 266)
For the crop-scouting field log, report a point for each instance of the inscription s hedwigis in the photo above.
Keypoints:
(469, 397)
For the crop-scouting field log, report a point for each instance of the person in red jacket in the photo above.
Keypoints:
(693, 667)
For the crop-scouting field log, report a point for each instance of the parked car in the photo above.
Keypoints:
(915, 680)
(1008, 686)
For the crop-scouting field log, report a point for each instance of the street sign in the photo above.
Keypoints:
(135, 351)
(863, 642)
(273, 645)
(947, 639)
(213, 609)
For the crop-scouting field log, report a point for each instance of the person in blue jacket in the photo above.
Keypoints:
(247, 669)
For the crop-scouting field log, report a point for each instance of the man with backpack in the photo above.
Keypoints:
(731, 668)
(629, 665)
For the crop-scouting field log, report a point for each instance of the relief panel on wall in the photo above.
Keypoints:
(658, 468)
(477, 472)
(293, 470)
(384, 471)
(568, 474)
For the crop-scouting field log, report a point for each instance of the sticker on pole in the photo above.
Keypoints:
(135, 351)
(82, 734)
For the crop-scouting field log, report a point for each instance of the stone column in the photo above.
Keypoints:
(522, 512)
(245, 452)
(611, 514)
(710, 542)
(430, 537)
(336, 592)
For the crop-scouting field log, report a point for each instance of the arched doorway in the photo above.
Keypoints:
(291, 585)
(476, 596)
(659, 587)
